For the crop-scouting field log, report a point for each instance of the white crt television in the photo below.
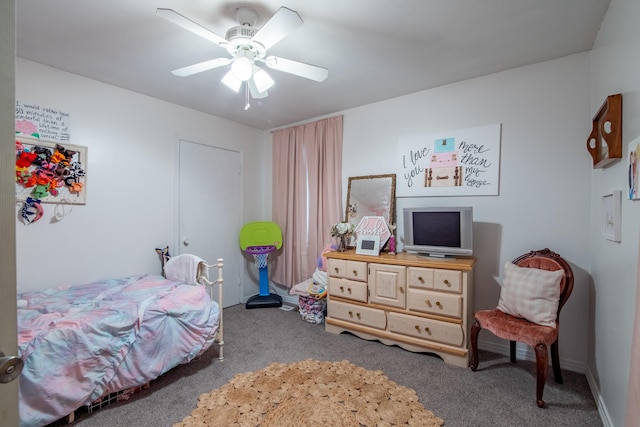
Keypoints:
(438, 231)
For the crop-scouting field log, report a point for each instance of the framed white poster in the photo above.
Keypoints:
(611, 216)
(463, 162)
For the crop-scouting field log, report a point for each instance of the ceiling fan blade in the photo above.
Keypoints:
(188, 24)
(255, 93)
(275, 29)
(301, 69)
(200, 67)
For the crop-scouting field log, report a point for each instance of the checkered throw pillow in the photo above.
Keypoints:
(531, 293)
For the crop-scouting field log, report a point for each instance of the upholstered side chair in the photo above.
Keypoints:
(535, 288)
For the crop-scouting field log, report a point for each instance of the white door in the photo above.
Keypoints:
(8, 328)
(210, 210)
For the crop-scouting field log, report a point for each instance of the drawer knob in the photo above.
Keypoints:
(420, 279)
(426, 329)
(349, 290)
(358, 315)
(351, 314)
(417, 328)
(446, 282)
(355, 273)
(401, 290)
(427, 302)
(438, 304)
(337, 269)
(341, 288)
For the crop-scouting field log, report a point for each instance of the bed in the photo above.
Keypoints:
(81, 343)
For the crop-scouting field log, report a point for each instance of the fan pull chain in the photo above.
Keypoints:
(246, 96)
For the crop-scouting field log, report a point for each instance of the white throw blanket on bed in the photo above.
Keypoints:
(184, 268)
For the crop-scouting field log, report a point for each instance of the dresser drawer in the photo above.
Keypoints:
(421, 278)
(357, 314)
(435, 302)
(346, 288)
(447, 280)
(354, 270)
(437, 279)
(428, 329)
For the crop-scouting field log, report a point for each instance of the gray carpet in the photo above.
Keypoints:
(497, 394)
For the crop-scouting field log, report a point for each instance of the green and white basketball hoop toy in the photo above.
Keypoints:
(260, 239)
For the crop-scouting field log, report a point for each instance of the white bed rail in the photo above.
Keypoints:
(204, 280)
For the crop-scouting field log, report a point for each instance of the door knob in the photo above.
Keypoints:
(186, 242)
(10, 368)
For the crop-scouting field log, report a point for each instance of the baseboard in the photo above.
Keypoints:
(595, 390)
(527, 353)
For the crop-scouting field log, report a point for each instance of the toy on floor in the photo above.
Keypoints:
(260, 239)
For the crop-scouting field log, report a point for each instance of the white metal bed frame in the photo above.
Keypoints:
(203, 280)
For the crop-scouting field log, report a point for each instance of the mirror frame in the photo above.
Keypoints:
(392, 198)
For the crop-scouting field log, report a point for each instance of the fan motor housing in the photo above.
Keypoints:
(243, 31)
(240, 40)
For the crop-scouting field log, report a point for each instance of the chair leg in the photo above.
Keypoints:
(555, 362)
(542, 365)
(512, 351)
(475, 330)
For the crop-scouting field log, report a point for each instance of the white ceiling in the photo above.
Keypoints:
(374, 49)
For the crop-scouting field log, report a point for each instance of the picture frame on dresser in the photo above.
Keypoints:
(368, 245)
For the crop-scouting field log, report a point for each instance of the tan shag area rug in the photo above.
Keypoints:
(311, 393)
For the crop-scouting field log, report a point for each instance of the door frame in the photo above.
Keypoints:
(8, 272)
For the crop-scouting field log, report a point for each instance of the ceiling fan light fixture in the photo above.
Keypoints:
(242, 68)
(231, 81)
(262, 79)
(246, 45)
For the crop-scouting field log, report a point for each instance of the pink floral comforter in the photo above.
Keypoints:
(82, 342)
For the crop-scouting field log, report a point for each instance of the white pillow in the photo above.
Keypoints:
(531, 293)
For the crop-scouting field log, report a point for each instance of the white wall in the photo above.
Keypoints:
(130, 191)
(544, 176)
(615, 68)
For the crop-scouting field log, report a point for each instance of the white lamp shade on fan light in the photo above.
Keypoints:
(242, 68)
(247, 72)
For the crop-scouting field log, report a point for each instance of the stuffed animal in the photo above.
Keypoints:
(164, 257)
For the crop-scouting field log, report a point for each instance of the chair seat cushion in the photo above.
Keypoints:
(516, 328)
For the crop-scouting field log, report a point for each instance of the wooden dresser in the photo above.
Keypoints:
(420, 304)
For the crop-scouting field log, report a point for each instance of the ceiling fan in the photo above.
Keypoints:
(247, 46)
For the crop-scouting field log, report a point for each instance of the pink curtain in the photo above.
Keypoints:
(307, 195)
(633, 393)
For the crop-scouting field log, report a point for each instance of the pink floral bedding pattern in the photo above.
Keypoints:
(81, 342)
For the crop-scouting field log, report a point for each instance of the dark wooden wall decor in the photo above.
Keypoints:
(605, 141)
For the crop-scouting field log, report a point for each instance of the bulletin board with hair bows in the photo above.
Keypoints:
(48, 168)
(50, 172)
